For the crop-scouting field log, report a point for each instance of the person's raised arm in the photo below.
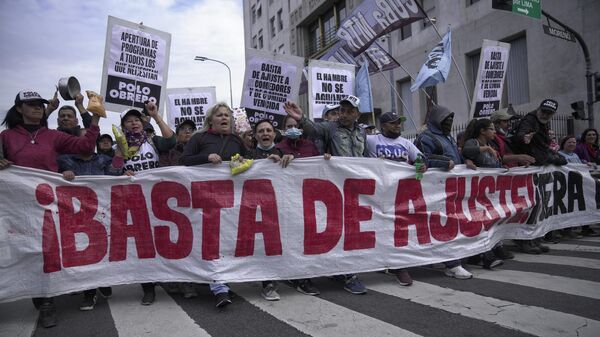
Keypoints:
(153, 112)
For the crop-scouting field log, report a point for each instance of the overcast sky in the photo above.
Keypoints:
(44, 40)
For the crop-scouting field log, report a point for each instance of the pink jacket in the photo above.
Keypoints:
(47, 145)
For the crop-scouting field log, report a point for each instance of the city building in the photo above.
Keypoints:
(540, 66)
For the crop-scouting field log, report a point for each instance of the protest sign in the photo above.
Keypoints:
(373, 19)
(328, 83)
(189, 103)
(270, 81)
(493, 63)
(313, 218)
(136, 63)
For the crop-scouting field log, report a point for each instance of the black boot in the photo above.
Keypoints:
(491, 261)
(149, 294)
(527, 247)
(503, 253)
(48, 313)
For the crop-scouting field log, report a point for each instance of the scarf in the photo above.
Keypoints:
(135, 139)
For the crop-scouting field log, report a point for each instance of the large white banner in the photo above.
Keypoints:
(313, 218)
(493, 64)
(189, 103)
(328, 83)
(136, 64)
(270, 81)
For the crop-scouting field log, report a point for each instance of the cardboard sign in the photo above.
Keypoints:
(328, 83)
(136, 63)
(493, 64)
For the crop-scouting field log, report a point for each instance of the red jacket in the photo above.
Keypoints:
(48, 144)
(298, 147)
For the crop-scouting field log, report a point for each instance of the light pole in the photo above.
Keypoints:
(202, 58)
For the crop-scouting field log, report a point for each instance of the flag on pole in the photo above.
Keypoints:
(363, 89)
(437, 66)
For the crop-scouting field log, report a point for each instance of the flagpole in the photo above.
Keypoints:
(451, 57)
(401, 101)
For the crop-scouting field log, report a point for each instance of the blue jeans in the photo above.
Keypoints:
(452, 264)
(218, 288)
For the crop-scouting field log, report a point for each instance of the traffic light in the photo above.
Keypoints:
(597, 86)
(578, 110)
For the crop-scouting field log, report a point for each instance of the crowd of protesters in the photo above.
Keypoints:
(503, 140)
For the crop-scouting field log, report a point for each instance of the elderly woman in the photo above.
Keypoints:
(214, 143)
(28, 142)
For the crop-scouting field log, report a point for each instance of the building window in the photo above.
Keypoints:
(272, 26)
(322, 31)
(473, 68)
(254, 42)
(279, 20)
(471, 2)
(280, 50)
(405, 32)
(253, 14)
(260, 39)
(259, 11)
(517, 73)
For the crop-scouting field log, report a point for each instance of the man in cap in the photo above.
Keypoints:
(531, 137)
(501, 119)
(390, 145)
(440, 148)
(341, 138)
(104, 145)
(183, 132)
(331, 112)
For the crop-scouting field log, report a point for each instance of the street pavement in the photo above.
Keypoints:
(554, 294)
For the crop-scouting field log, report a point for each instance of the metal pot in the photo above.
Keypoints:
(68, 87)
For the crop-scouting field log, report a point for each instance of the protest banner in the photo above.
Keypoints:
(328, 83)
(493, 63)
(189, 103)
(136, 63)
(377, 57)
(313, 218)
(373, 19)
(270, 81)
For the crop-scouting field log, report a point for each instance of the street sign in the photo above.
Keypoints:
(559, 33)
(531, 8)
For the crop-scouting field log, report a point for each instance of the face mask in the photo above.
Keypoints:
(293, 133)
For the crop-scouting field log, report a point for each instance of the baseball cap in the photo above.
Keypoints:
(502, 115)
(105, 136)
(352, 100)
(130, 112)
(185, 122)
(329, 107)
(29, 96)
(549, 105)
(390, 117)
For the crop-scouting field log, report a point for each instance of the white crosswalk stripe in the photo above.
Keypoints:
(163, 318)
(504, 313)
(318, 317)
(323, 316)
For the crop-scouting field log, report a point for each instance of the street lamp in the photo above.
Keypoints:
(202, 58)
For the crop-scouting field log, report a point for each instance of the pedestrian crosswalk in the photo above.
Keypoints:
(555, 294)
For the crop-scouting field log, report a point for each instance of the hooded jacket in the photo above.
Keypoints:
(439, 148)
(539, 146)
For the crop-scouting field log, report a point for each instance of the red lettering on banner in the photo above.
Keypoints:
(129, 199)
(409, 191)
(450, 230)
(211, 196)
(50, 247)
(314, 190)
(354, 213)
(487, 185)
(161, 193)
(83, 221)
(503, 184)
(472, 227)
(258, 194)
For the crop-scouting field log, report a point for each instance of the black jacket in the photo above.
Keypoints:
(197, 149)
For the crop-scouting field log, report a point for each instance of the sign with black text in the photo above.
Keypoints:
(559, 33)
(189, 103)
(493, 63)
(328, 83)
(270, 81)
(136, 62)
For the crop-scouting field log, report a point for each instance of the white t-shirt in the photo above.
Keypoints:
(398, 149)
(145, 159)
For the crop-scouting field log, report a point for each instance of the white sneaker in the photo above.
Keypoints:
(269, 292)
(458, 272)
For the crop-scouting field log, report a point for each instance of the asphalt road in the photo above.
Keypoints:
(554, 294)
